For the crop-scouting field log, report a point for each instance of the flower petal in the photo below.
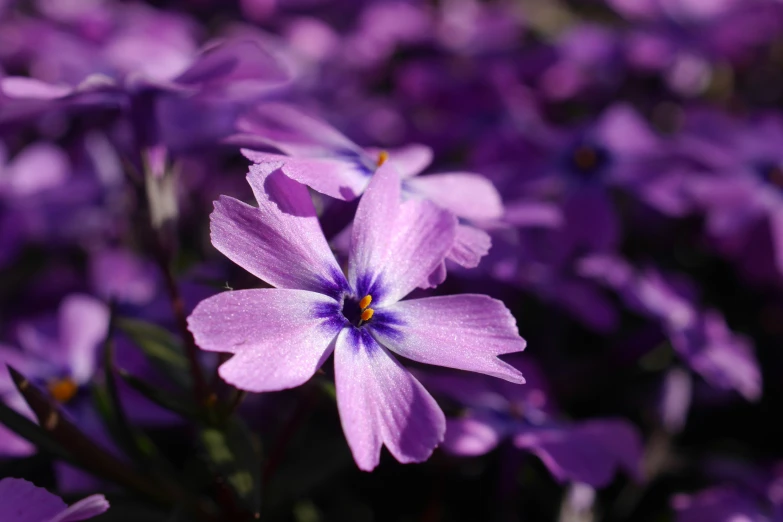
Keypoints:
(335, 177)
(83, 322)
(467, 195)
(394, 247)
(281, 241)
(380, 402)
(409, 160)
(295, 133)
(23, 501)
(470, 245)
(466, 332)
(279, 338)
(476, 434)
(89, 507)
(588, 452)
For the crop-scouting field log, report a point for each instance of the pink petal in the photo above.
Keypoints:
(38, 167)
(589, 452)
(473, 435)
(469, 196)
(624, 131)
(409, 160)
(294, 132)
(466, 332)
(470, 245)
(394, 247)
(83, 322)
(380, 402)
(22, 87)
(334, 177)
(89, 507)
(279, 338)
(281, 241)
(23, 501)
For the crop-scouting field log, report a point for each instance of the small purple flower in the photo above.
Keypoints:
(281, 336)
(739, 177)
(328, 162)
(587, 452)
(684, 39)
(702, 338)
(23, 501)
(59, 354)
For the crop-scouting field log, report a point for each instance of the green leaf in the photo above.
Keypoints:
(161, 347)
(234, 453)
(177, 403)
(32, 432)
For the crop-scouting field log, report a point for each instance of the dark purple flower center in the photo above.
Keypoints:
(357, 311)
(587, 161)
(771, 172)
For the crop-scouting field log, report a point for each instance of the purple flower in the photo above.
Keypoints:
(174, 106)
(23, 501)
(739, 177)
(327, 161)
(702, 338)
(719, 505)
(58, 354)
(587, 452)
(685, 38)
(281, 336)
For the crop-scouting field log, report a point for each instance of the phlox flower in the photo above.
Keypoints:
(588, 452)
(327, 161)
(725, 359)
(280, 336)
(22, 501)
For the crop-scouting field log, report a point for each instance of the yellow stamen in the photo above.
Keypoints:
(382, 157)
(63, 390)
(367, 314)
(365, 302)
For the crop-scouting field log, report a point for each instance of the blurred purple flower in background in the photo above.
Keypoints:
(22, 501)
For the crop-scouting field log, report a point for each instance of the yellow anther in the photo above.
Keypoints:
(382, 157)
(63, 390)
(367, 314)
(365, 302)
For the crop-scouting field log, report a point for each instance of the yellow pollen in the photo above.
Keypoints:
(63, 390)
(382, 157)
(367, 314)
(365, 302)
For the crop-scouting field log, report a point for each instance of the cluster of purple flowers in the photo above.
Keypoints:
(246, 246)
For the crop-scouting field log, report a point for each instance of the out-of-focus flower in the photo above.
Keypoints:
(686, 39)
(738, 178)
(702, 338)
(327, 161)
(746, 492)
(58, 354)
(179, 107)
(23, 501)
(587, 452)
(315, 308)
